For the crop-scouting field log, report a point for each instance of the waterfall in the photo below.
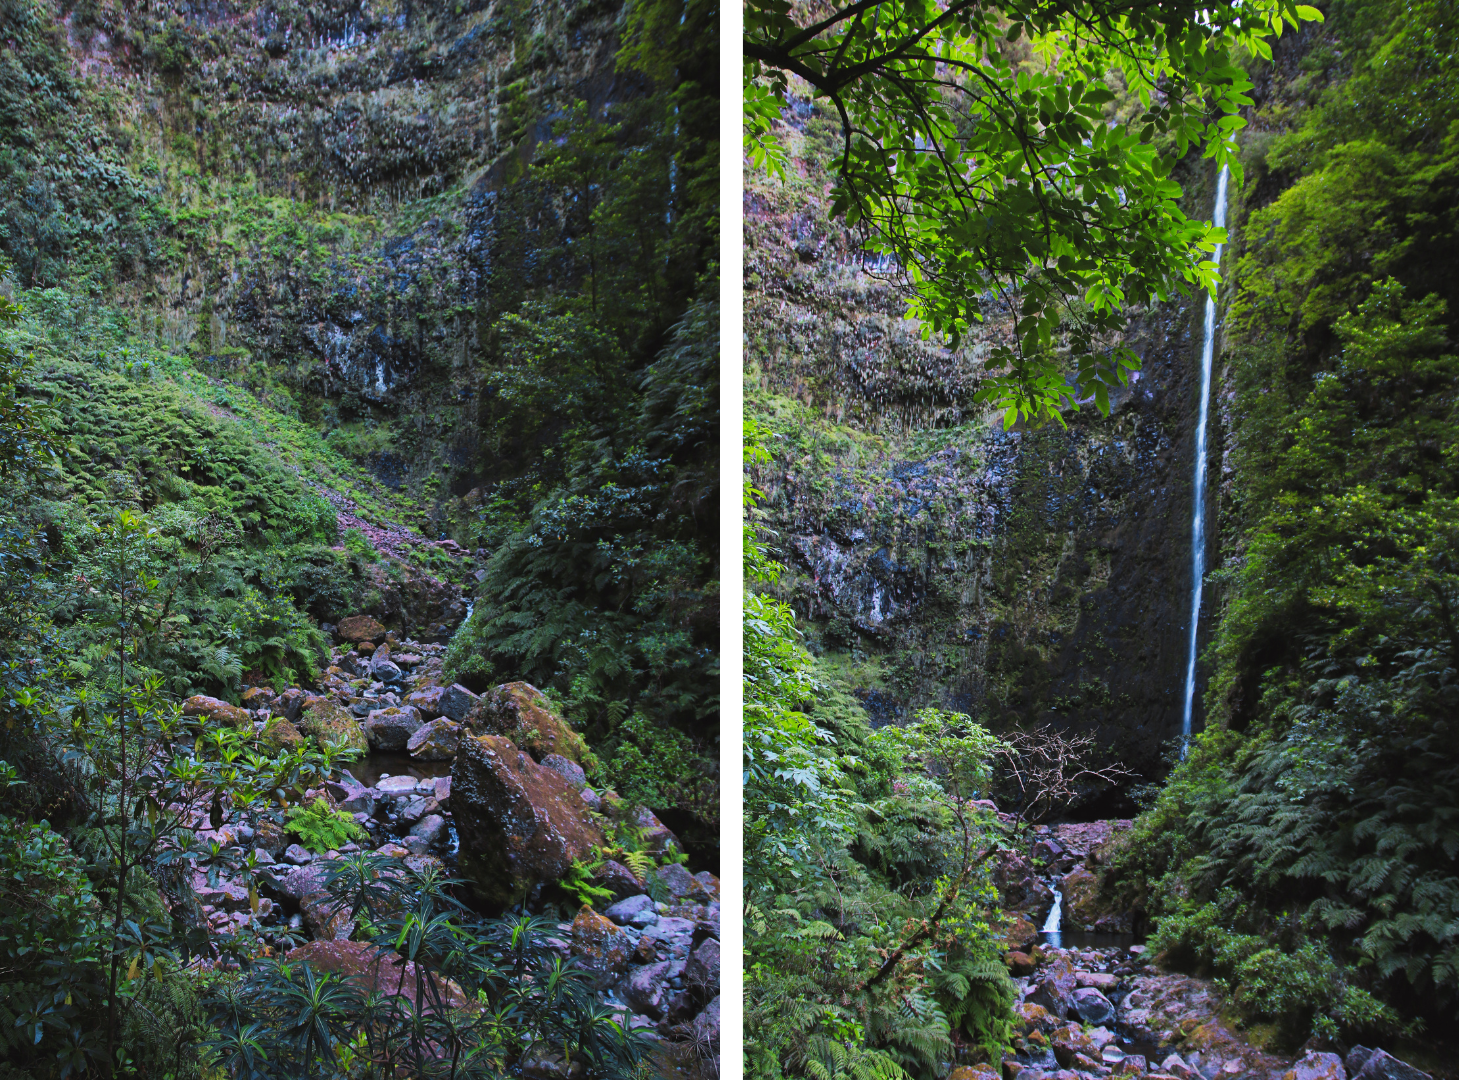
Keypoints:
(1051, 924)
(1198, 511)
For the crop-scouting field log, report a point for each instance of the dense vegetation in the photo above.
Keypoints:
(871, 944)
(995, 184)
(1304, 853)
(192, 490)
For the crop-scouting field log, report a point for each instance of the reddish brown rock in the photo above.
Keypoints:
(427, 700)
(518, 711)
(219, 712)
(1019, 963)
(361, 628)
(1071, 1042)
(519, 824)
(1020, 934)
(370, 969)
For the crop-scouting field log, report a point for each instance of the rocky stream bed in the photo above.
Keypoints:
(485, 787)
(1094, 1002)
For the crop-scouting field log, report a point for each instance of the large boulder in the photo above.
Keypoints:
(456, 702)
(519, 824)
(391, 729)
(1093, 1007)
(279, 734)
(218, 712)
(428, 700)
(329, 723)
(1082, 908)
(359, 628)
(519, 712)
(437, 741)
(1381, 1065)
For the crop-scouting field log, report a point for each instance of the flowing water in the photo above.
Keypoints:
(1198, 514)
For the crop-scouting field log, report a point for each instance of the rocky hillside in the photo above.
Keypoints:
(457, 805)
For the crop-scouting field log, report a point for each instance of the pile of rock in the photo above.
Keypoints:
(513, 816)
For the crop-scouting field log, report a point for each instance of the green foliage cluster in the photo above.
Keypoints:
(999, 185)
(869, 941)
(471, 997)
(1305, 852)
(320, 827)
(602, 584)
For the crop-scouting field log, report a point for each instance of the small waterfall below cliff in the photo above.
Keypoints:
(1198, 501)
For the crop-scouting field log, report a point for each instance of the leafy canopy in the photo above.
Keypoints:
(1004, 185)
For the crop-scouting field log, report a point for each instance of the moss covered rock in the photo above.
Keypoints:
(520, 824)
(330, 724)
(279, 734)
(518, 711)
(212, 709)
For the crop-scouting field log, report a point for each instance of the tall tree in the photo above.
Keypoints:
(1000, 175)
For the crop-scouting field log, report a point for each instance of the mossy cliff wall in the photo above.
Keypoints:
(1021, 576)
(327, 203)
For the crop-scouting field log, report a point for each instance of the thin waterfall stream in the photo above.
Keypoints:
(1198, 514)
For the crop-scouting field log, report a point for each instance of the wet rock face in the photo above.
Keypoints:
(520, 824)
(1031, 575)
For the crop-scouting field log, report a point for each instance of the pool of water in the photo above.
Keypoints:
(370, 769)
(1088, 939)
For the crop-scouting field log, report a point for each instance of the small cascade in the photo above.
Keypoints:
(1198, 514)
(1053, 922)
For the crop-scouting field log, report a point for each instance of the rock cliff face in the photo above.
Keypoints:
(1020, 576)
(327, 203)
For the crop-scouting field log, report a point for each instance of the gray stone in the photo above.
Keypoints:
(431, 829)
(1317, 1065)
(623, 911)
(391, 728)
(386, 671)
(678, 881)
(457, 701)
(413, 810)
(396, 785)
(1381, 1065)
(296, 854)
(360, 801)
(702, 969)
(568, 769)
(671, 929)
(301, 881)
(1357, 1057)
(617, 879)
(1092, 1006)
(645, 989)
(262, 857)
(416, 845)
(706, 1026)
(592, 798)
(442, 789)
